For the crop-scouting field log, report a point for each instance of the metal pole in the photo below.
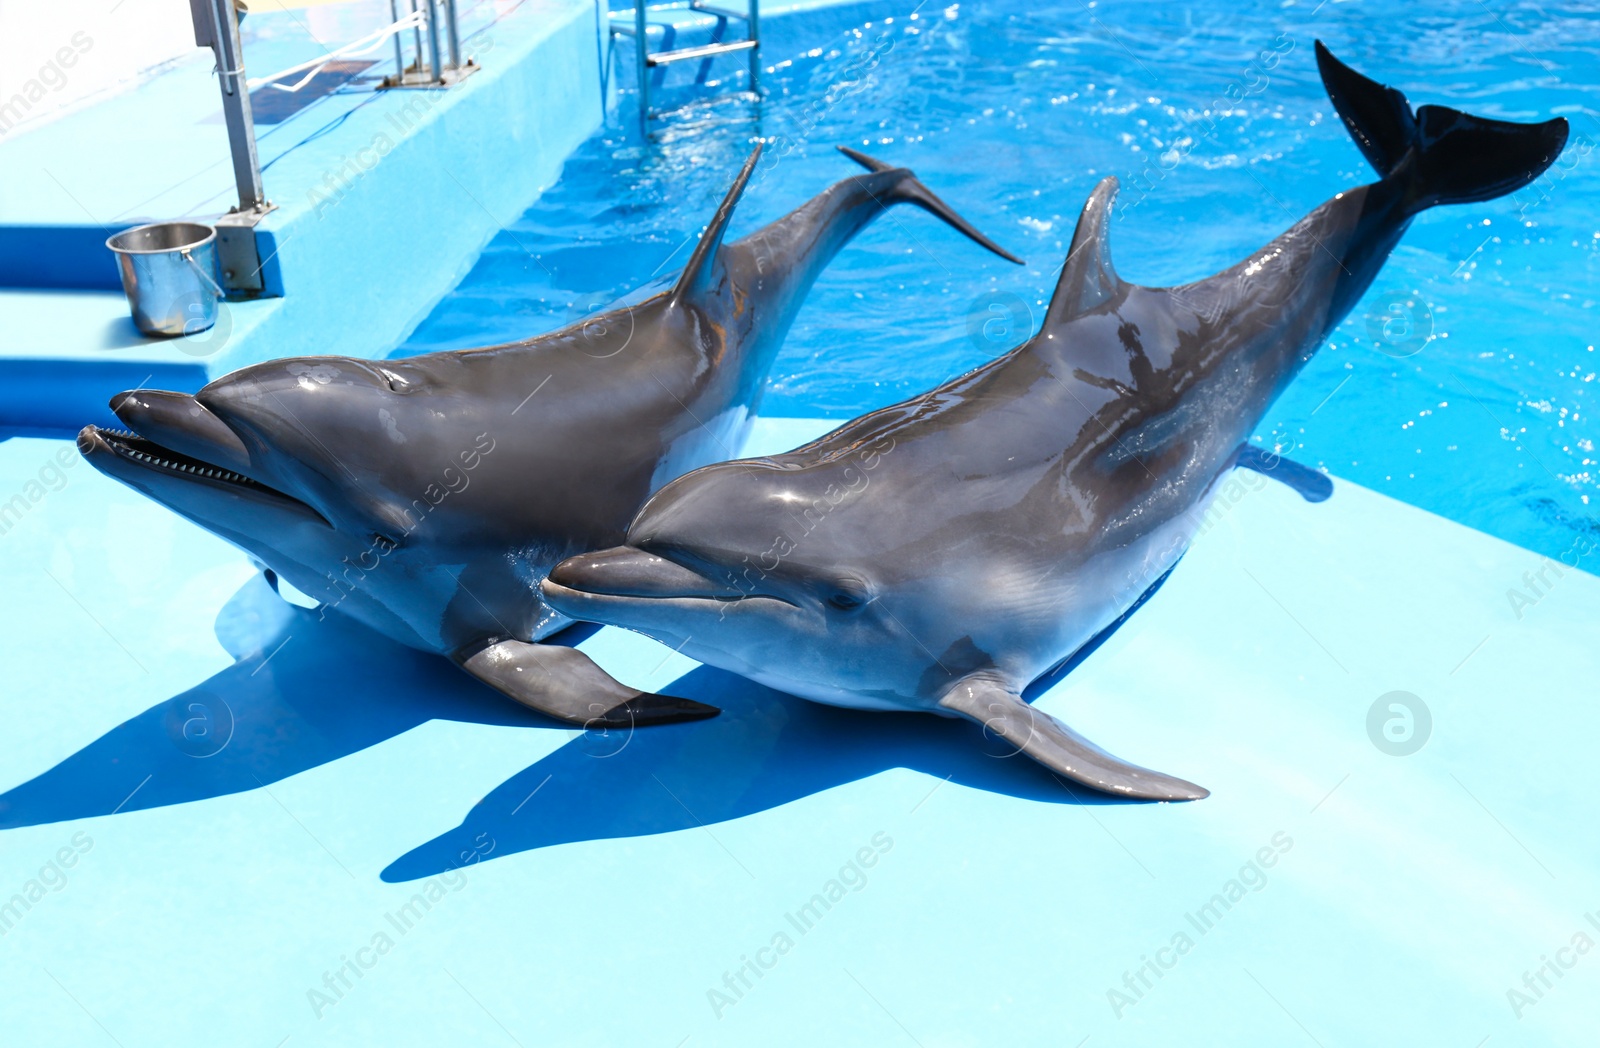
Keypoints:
(416, 43)
(399, 57)
(236, 105)
(216, 26)
(754, 25)
(644, 67)
(436, 68)
(454, 34)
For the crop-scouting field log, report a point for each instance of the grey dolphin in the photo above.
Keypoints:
(943, 553)
(427, 497)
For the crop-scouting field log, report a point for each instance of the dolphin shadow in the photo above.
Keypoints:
(765, 750)
(303, 692)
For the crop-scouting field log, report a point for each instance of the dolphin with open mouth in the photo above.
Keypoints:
(427, 497)
(943, 553)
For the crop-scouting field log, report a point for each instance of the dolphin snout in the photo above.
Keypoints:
(624, 571)
(181, 423)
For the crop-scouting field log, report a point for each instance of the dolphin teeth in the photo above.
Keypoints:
(121, 437)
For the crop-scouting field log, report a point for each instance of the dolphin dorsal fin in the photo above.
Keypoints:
(697, 275)
(1087, 279)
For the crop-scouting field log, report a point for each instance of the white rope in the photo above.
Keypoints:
(364, 46)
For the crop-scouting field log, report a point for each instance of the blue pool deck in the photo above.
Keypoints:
(224, 820)
(259, 807)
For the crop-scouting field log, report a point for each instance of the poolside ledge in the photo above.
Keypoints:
(380, 209)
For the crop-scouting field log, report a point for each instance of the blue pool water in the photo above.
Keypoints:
(1012, 111)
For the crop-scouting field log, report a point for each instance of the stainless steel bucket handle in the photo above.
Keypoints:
(215, 290)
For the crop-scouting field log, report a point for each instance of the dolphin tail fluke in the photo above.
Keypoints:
(700, 273)
(564, 683)
(1058, 747)
(1442, 155)
(908, 189)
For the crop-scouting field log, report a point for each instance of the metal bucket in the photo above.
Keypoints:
(169, 272)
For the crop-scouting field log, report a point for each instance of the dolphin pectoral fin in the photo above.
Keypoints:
(1058, 747)
(1313, 485)
(698, 276)
(1087, 277)
(564, 683)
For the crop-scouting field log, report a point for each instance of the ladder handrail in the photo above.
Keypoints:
(681, 54)
(647, 59)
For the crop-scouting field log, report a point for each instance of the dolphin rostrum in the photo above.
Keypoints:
(943, 553)
(427, 497)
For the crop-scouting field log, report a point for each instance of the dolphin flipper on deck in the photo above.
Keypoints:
(1058, 747)
(564, 683)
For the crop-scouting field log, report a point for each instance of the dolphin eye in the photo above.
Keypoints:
(848, 595)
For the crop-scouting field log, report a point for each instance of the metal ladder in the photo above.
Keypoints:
(648, 60)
